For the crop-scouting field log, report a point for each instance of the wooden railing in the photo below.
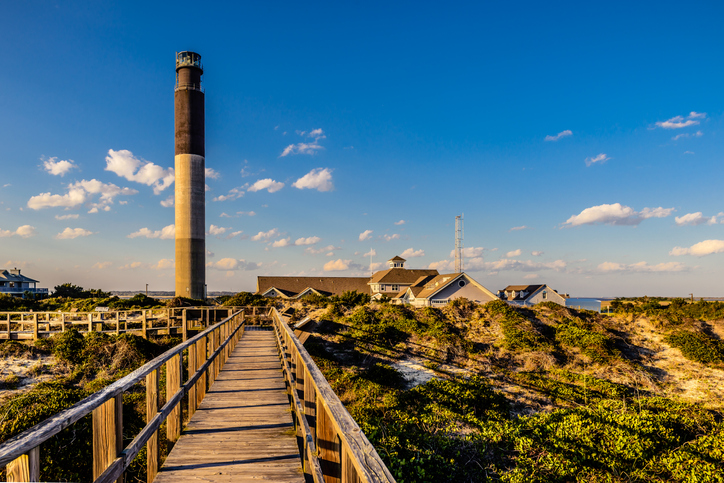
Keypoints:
(169, 321)
(205, 355)
(332, 445)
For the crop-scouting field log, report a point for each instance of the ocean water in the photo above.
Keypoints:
(584, 303)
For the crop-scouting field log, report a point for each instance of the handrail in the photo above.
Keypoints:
(21, 455)
(332, 439)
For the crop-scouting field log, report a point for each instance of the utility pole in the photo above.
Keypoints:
(146, 290)
(459, 233)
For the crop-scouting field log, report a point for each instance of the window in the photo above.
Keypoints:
(12, 284)
(545, 295)
(461, 283)
(395, 288)
(382, 288)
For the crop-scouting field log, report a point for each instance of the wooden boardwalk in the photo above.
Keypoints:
(243, 430)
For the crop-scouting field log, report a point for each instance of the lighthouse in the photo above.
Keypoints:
(190, 166)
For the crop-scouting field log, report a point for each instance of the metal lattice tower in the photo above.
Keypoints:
(459, 232)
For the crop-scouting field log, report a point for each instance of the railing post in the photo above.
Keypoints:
(152, 449)
(8, 319)
(118, 324)
(26, 467)
(200, 359)
(192, 370)
(90, 321)
(35, 326)
(310, 404)
(173, 384)
(107, 434)
(328, 446)
(145, 329)
(184, 326)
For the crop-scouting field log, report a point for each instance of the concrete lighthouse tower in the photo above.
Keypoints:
(190, 177)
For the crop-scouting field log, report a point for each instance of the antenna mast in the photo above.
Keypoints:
(459, 233)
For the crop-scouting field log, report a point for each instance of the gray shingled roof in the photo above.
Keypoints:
(5, 275)
(400, 275)
(329, 285)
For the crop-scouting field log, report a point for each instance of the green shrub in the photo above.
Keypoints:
(697, 346)
(595, 345)
(248, 299)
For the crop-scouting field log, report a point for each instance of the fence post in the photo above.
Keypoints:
(35, 326)
(173, 384)
(118, 324)
(310, 404)
(25, 467)
(145, 329)
(90, 321)
(152, 449)
(8, 319)
(328, 446)
(107, 431)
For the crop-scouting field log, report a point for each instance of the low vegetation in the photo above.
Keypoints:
(546, 394)
(85, 365)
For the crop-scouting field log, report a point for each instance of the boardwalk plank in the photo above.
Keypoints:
(242, 431)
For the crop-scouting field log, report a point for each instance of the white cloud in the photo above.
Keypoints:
(70, 233)
(211, 173)
(329, 250)
(530, 276)
(74, 197)
(642, 267)
(266, 184)
(168, 202)
(536, 254)
(469, 252)
(412, 253)
(24, 231)
(78, 193)
(234, 194)
(601, 158)
(694, 219)
(58, 168)
(365, 235)
(505, 264)
(307, 241)
(319, 179)
(163, 264)
(616, 214)
(560, 135)
(301, 148)
(401, 222)
(131, 266)
(394, 236)
(266, 235)
(235, 234)
(305, 148)
(514, 253)
(707, 247)
(166, 233)
(102, 265)
(370, 253)
(282, 242)
(216, 230)
(697, 134)
(66, 217)
(678, 122)
(517, 228)
(233, 264)
(335, 265)
(247, 213)
(126, 165)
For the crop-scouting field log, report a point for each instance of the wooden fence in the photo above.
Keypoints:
(333, 447)
(168, 321)
(204, 353)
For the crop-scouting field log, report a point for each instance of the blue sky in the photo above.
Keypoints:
(582, 141)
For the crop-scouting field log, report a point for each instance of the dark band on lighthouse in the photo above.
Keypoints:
(190, 167)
